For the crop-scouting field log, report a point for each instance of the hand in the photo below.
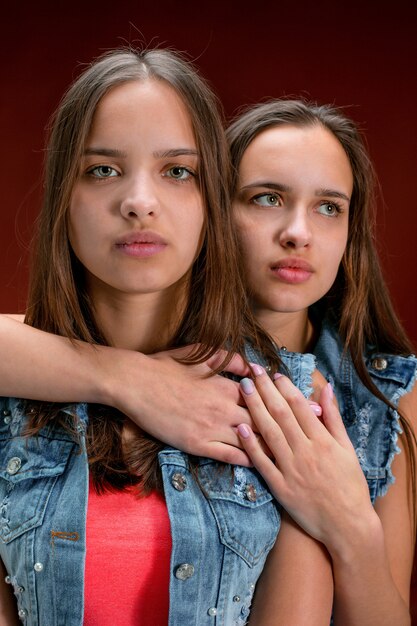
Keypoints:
(315, 473)
(180, 404)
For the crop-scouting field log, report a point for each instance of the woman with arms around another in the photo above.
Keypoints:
(303, 190)
(134, 236)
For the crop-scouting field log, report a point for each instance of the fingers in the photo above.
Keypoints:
(235, 366)
(265, 466)
(331, 416)
(287, 406)
(228, 454)
(304, 412)
(267, 421)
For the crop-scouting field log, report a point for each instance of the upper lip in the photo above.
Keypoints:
(293, 263)
(142, 236)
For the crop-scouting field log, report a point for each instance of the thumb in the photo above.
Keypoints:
(235, 366)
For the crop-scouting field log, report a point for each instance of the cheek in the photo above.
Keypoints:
(333, 255)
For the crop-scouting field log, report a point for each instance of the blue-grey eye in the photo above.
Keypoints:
(328, 208)
(103, 171)
(266, 199)
(179, 173)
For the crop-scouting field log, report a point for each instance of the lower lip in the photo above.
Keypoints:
(291, 275)
(141, 250)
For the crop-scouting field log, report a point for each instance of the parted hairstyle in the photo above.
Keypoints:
(359, 299)
(216, 315)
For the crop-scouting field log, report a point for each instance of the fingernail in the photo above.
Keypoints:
(330, 391)
(276, 376)
(316, 408)
(247, 386)
(257, 369)
(243, 431)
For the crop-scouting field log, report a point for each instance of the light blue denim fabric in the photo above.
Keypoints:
(373, 427)
(223, 524)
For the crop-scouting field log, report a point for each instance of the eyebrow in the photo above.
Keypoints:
(268, 185)
(330, 193)
(107, 152)
(162, 154)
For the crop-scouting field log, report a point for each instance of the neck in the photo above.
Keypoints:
(144, 322)
(293, 330)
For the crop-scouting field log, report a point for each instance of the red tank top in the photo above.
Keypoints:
(127, 560)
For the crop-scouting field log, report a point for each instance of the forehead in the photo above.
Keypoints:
(297, 154)
(140, 105)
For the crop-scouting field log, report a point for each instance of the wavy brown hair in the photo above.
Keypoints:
(216, 315)
(359, 299)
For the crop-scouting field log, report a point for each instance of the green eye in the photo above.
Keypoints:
(266, 199)
(103, 171)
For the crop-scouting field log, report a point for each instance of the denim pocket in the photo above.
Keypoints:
(246, 513)
(29, 468)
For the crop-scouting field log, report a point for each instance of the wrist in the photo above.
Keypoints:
(363, 542)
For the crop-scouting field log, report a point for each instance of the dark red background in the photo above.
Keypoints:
(357, 54)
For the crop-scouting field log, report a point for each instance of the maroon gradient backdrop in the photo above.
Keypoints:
(356, 54)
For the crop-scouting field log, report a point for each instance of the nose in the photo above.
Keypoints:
(295, 231)
(140, 198)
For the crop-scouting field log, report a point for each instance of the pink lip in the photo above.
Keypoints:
(141, 244)
(292, 271)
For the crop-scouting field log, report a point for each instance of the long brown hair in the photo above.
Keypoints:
(359, 299)
(216, 315)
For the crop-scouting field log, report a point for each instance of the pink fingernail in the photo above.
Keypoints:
(276, 376)
(330, 391)
(257, 369)
(243, 431)
(316, 408)
(247, 386)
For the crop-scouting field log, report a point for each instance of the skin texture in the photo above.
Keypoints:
(289, 178)
(131, 181)
(288, 212)
(130, 190)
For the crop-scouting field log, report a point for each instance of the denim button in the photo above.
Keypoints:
(7, 419)
(184, 571)
(251, 493)
(379, 364)
(14, 465)
(6, 412)
(236, 598)
(22, 613)
(212, 611)
(179, 481)
(8, 580)
(38, 567)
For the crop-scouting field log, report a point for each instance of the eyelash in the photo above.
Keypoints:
(336, 205)
(264, 195)
(339, 209)
(90, 172)
(192, 173)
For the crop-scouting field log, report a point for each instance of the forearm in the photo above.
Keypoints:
(175, 403)
(296, 585)
(42, 366)
(8, 608)
(365, 592)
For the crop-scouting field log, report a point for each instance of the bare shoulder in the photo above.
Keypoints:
(19, 317)
(408, 407)
(396, 508)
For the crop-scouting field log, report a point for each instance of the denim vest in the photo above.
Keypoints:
(223, 525)
(372, 426)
